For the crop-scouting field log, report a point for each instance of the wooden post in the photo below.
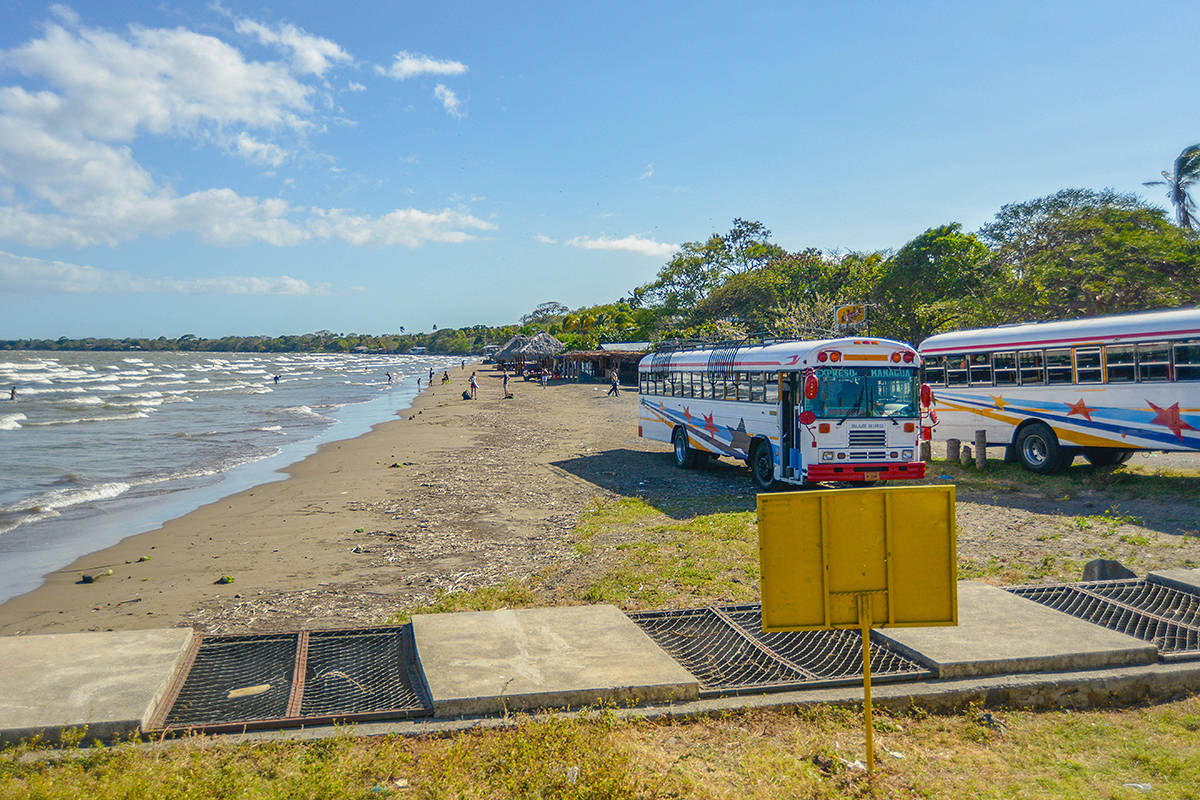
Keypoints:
(864, 622)
(981, 449)
(926, 452)
(952, 446)
(965, 455)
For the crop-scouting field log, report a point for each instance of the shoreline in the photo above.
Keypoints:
(359, 525)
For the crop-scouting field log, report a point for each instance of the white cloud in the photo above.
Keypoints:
(409, 65)
(21, 274)
(544, 239)
(449, 100)
(648, 172)
(264, 152)
(311, 55)
(630, 244)
(68, 174)
(355, 86)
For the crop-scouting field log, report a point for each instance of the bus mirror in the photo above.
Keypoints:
(807, 418)
(926, 395)
(811, 386)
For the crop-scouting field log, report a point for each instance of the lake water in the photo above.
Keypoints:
(100, 446)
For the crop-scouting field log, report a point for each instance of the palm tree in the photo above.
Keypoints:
(1185, 173)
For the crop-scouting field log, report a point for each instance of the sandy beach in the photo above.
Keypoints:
(452, 495)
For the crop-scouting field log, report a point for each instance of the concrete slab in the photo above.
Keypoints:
(484, 662)
(1182, 578)
(999, 632)
(111, 682)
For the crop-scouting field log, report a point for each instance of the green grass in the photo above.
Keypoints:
(1124, 481)
(510, 594)
(780, 753)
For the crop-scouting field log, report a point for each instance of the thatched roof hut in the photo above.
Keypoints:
(541, 345)
(510, 349)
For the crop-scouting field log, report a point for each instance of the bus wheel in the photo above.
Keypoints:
(685, 456)
(1038, 449)
(762, 466)
(1107, 456)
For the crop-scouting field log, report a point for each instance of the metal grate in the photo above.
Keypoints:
(868, 438)
(281, 680)
(1167, 617)
(361, 672)
(728, 653)
(236, 679)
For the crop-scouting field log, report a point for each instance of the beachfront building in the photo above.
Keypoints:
(523, 353)
(596, 365)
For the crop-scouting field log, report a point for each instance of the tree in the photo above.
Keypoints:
(1080, 253)
(545, 313)
(1184, 173)
(931, 282)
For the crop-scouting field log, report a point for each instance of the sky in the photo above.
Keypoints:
(219, 169)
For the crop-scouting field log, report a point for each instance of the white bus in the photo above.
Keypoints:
(796, 412)
(1103, 387)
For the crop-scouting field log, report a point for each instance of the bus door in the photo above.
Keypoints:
(787, 419)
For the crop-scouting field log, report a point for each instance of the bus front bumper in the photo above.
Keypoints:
(911, 470)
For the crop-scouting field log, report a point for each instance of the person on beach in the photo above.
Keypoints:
(464, 364)
(389, 377)
(445, 377)
(13, 394)
(276, 380)
(474, 387)
(615, 389)
(431, 377)
(505, 384)
(418, 383)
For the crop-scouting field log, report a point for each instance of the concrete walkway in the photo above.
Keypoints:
(1006, 650)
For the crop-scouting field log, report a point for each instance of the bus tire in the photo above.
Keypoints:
(762, 466)
(1107, 456)
(685, 456)
(1038, 449)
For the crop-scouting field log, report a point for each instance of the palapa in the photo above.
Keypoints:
(541, 345)
(510, 349)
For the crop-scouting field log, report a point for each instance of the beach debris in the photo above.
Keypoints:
(143, 558)
(224, 579)
(93, 578)
(248, 691)
(1141, 787)
(394, 464)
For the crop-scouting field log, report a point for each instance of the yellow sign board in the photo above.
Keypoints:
(821, 550)
(851, 315)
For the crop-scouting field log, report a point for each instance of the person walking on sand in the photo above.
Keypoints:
(431, 377)
(616, 385)
(474, 387)
(418, 383)
(505, 385)
(464, 364)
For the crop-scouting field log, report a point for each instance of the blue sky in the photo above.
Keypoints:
(214, 168)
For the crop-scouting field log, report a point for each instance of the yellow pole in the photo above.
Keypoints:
(864, 621)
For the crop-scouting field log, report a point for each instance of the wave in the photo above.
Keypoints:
(303, 411)
(75, 420)
(11, 422)
(86, 400)
(272, 429)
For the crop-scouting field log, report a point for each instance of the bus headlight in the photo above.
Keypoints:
(827, 455)
(906, 455)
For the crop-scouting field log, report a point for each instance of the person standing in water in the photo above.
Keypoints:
(13, 394)
(389, 377)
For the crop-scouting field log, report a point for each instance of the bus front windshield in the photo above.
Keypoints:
(865, 392)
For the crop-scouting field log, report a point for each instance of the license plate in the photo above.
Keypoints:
(871, 476)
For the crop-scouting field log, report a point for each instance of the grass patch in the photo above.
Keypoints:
(709, 558)
(1125, 481)
(781, 753)
(510, 594)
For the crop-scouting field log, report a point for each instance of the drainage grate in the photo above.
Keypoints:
(728, 653)
(1167, 617)
(290, 679)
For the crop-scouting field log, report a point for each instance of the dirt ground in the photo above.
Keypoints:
(460, 495)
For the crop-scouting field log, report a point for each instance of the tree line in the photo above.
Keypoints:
(1075, 253)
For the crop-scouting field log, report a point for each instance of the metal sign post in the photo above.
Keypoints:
(858, 558)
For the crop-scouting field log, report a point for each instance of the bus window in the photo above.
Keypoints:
(1087, 365)
(1058, 366)
(757, 387)
(1031, 367)
(1152, 362)
(934, 371)
(1005, 367)
(772, 379)
(743, 386)
(1187, 361)
(649, 387)
(956, 370)
(981, 369)
(1118, 359)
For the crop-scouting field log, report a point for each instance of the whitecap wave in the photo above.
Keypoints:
(11, 422)
(76, 420)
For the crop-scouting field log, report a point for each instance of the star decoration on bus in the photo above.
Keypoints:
(739, 439)
(709, 425)
(1080, 408)
(998, 401)
(687, 413)
(1170, 418)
